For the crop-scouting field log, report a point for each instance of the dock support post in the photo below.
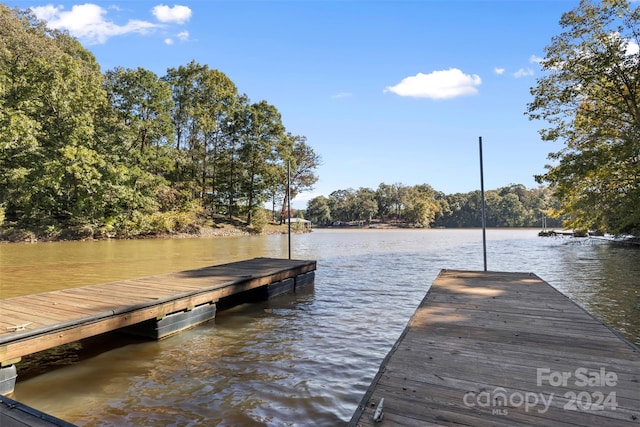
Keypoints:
(173, 323)
(305, 281)
(8, 375)
(282, 287)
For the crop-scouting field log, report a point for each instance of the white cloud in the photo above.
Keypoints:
(442, 84)
(45, 13)
(178, 14)
(632, 48)
(183, 36)
(88, 23)
(523, 72)
(499, 71)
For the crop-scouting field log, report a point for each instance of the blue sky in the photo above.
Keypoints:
(384, 91)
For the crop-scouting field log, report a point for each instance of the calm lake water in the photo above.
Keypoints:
(294, 360)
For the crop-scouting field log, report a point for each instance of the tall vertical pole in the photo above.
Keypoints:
(289, 205)
(484, 221)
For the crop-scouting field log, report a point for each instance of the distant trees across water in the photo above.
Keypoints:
(422, 206)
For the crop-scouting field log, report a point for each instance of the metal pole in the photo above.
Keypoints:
(289, 205)
(484, 221)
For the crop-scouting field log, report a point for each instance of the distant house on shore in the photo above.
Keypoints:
(304, 223)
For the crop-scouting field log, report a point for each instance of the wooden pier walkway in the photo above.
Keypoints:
(32, 323)
(504, 349)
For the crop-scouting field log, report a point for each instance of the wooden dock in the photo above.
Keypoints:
(16, 414)
(504, 349)
(162, 305)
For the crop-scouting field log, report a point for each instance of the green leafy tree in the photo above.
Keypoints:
(342, 204)
(214, 112)
(512, 212)
(143, 104)
(231, 171)
(388, 199)
(258, 151)
(365, 206)
(303, 162)
(53, 168)
(421, 206)
(318, 210)
(208, 121)
(184, 87)
(590, 99)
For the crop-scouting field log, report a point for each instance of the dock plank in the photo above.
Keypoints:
(481, 350)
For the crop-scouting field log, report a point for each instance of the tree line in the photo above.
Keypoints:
(422, 206)
(128, 151)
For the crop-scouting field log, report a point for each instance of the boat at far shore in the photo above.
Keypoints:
(622, 239)
(554, 233)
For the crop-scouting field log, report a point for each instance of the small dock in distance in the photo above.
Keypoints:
(503, 349)
(155, 306)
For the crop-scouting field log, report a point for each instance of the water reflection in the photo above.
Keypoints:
(295, 358)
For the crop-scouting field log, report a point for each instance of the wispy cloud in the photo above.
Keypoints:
(342, 95)
(523, 72)
(441, 84)
(90, 23)
(499, 71)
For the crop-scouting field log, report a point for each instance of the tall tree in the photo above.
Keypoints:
(183, 81)
(421, 206)
(303, 162)
(143, 103)
(215, 112)
(264, 133)
(343, 205)
(590, 98)
(389, 200)
(318, 210)
(205, 117)
(365, 207)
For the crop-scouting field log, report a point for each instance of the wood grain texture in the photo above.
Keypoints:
(481, 344)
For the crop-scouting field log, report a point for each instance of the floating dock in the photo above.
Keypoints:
(155, 306)
(503, 349)
(15, 414)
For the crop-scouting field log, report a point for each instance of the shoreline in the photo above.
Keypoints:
(226, 230)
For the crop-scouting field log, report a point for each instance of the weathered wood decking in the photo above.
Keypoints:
(38, 322)
(504, 349)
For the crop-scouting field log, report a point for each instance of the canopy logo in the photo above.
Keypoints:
(500, 401)
(589, 391)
